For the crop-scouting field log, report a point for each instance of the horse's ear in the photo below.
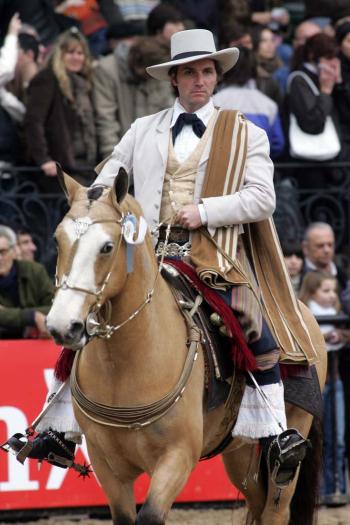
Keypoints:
(67, 183)
(120, 186)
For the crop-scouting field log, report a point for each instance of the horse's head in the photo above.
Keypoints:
(91, 264)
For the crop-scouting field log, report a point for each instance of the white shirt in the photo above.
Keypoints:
(187, 140)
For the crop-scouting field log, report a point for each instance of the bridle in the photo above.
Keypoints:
(140, 416)
(97, 324)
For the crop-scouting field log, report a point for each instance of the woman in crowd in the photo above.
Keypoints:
(59, 124)
(341, 92)
(319, 64)
(269, 65)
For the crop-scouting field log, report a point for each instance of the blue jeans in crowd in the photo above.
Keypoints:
(328, 484)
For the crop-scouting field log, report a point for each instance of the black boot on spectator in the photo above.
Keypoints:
(49, 446)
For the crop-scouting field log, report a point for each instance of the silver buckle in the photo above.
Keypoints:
(172, 249)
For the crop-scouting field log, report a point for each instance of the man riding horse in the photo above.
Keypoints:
(166, 155)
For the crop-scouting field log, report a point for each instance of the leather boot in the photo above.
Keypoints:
(43, 445)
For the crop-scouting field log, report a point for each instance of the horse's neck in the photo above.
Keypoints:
(152, 345)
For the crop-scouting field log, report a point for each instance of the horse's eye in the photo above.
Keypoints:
(107, 248)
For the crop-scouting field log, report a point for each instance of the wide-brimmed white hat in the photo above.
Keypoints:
(190, 45)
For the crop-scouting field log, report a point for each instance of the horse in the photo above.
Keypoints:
(138, 384)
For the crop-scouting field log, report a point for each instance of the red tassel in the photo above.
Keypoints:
(291, 370)
(242, 355)
(64, 364)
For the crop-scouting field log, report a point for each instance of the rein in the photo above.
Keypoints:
(140, 416)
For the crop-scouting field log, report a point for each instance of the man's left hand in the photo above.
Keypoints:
(189, 217)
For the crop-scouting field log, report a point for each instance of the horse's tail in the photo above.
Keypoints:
(305, 497)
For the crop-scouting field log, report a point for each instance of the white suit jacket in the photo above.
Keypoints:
(143, 152)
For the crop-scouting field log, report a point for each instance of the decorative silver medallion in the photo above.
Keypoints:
(81, 226)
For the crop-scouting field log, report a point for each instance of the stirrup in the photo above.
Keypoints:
(20, 445)
(284, 456)
(23, 447)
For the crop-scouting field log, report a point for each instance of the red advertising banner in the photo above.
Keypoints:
(26, 370)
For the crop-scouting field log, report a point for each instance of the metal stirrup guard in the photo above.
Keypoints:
(284, 458)
(23, 452)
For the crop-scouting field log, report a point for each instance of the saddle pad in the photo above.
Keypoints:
(304, 392)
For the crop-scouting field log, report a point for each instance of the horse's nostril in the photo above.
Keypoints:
(76, 328)
(56, 335)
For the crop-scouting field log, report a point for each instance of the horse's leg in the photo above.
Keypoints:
(278, 512)
(168, 479)
(241, 465)
(120, 494)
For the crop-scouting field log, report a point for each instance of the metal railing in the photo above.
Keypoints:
(22, 202)
(298, 205)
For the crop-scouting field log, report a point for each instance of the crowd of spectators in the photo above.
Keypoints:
(72, 74)
(73, 78)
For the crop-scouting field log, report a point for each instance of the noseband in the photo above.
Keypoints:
(98, 324)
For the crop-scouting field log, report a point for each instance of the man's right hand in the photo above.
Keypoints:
(49, 168)
(39, 319)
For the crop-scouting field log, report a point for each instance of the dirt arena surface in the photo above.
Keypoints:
(205, 516)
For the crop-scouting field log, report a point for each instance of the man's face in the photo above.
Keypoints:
(7, 256)
(319, 247)
(26, 246)
(196, 82)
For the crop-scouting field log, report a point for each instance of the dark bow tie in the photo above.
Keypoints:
(188, 118)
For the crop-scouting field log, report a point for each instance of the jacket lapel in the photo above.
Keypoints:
(162, 138)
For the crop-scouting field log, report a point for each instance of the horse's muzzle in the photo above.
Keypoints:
(74, 337)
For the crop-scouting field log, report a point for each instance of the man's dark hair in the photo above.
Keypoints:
(244, 70)
(29, 43)
(22, 229)
(232, 32)
(319, 46)
(161, 15)
(147, 51)
(291, 247)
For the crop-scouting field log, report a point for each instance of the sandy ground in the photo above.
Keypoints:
(207, 516)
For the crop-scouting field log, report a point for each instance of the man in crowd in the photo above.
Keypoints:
(26, 292)
(318, 247)
(26, 246)
(303, 31)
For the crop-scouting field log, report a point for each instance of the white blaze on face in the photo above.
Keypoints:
(68, 304)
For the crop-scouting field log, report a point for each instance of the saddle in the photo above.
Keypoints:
(301, 385)
(218, 361)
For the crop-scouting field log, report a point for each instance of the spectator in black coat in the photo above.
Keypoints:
(341, 93)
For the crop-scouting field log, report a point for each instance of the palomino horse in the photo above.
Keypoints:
(133, 408)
